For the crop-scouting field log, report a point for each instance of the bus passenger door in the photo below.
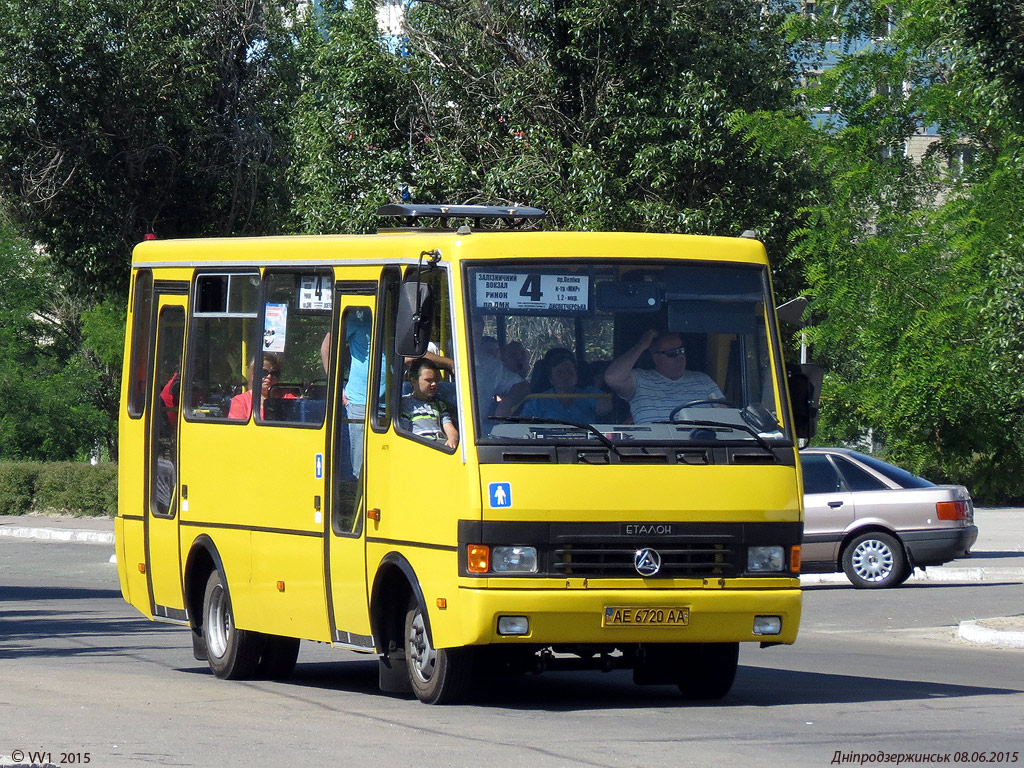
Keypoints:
(346, 535)
(163, 560)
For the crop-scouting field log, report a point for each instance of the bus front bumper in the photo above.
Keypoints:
(619, 617)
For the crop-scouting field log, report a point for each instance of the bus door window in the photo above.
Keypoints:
(223, 346)
(350, 444)
(297, 317)
(385, 369)
(164, 415)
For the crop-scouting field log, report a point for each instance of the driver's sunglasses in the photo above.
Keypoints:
(271, 372)
(672, 353)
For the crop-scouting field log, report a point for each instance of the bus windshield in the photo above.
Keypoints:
(612, 353)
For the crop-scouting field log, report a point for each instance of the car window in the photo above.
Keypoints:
(899, 476)
(858, 479)
(819, 474)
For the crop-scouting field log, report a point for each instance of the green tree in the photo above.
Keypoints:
(609, 115)
(49, 385)
(914, 263)
(127, 117)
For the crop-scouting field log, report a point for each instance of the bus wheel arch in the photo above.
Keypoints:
(395, 585)
(232, 653)
(203, 559)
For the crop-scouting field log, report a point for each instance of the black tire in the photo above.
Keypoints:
(875, 560)
(437, 676)
(233, 653)
(709, 672)
(277, 662)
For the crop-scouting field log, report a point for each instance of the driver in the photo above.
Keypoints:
(653, 395)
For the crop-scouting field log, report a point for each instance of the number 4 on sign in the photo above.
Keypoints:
(500, 495)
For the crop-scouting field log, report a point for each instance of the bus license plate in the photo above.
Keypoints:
(656, 616)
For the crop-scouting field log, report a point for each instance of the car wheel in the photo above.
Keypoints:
(233, 653)
(875, 561)
(437, 676)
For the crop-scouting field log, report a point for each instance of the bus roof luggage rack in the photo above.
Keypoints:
(496, 216)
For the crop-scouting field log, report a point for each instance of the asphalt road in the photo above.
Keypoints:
(81, 673)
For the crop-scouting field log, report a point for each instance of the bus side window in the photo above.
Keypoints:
(225, 310)
(142, 338)
(297, 312)
(416, 419)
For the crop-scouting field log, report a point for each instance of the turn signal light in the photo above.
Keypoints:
(794, 559)
(951, 510)
(478, 558)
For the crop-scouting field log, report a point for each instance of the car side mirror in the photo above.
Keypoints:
(804, 382)
(413, 321)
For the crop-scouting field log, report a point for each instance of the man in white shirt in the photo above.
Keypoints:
(498, 389)
(653, 395)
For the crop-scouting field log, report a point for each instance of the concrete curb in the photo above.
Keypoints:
(942, 574)
(59, 534)
(976, 632)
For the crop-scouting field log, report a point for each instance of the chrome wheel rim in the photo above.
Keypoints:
(422, 656)
(219, 624)
(873, 561)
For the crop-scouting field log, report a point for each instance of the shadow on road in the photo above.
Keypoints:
(49, 622)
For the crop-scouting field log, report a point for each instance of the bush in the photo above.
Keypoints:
(17, 487)
(70, 488)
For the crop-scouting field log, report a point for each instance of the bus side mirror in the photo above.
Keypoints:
(412, 326)
(804, 389)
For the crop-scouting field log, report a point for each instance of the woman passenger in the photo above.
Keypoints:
(556, 374)
(241, 405)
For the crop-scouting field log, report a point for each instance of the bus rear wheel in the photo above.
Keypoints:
(233, 653)
(437, 676)
(278, 658)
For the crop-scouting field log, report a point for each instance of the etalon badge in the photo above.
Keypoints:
(647, 562)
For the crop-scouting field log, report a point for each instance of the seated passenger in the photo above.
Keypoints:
(422, 412)
(516, 358)
(241, 405)
(556, 374)
(498, 389)
(653, 395)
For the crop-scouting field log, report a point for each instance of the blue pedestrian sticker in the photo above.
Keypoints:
(500, 495)
(319, 466)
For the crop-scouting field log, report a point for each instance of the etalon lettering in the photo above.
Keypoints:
(644, 529)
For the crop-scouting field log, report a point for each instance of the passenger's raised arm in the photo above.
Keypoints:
(619, 375)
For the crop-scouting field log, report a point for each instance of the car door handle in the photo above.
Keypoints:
(835, 504)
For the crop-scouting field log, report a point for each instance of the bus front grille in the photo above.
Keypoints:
(618, 560)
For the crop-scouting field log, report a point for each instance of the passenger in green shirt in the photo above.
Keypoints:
(422, 412)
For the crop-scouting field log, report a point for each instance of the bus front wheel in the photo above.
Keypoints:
(437, 676)
(709, 672)
(233, 653)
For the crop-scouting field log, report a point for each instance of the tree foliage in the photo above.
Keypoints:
(127, 117)
(610, 116)
(50, 386)
(913, 262)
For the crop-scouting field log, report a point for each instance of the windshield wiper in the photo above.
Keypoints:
(712, 423)
(578, 424)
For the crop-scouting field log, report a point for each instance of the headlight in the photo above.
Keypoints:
(514, 559)
(765, 559)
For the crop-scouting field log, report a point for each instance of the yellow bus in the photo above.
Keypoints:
(464, 445)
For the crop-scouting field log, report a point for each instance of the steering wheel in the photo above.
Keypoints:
(706, 401)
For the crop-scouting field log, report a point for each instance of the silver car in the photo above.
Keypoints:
(877, 522)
